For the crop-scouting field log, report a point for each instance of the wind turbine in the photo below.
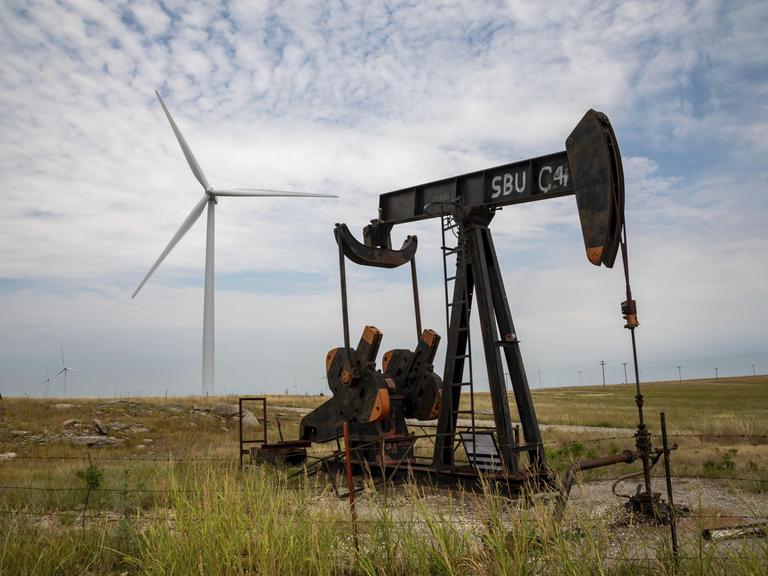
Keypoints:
(208, 200)
(64, 371)
(47, 382)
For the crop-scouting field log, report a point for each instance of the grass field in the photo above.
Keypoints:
(169, 497)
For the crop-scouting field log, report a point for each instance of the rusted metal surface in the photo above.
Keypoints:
(625, 457)
(372, 256)
(360, 393)
(243, 442)
(598, 180)
(376, 403)
(590, 168)
(287, 453)
(479, 285)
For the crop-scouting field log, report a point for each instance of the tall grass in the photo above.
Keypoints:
(224, 521)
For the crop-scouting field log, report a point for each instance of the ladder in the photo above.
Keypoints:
(458, 300)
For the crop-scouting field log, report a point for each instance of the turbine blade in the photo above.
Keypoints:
(64, 370)
(191, 160)
(61, 347)
(268, 192)
(185, 226)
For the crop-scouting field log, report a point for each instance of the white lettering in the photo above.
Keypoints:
(541, 173)
(520, 187)
(561, 176)
(496, 186)
(508, 184)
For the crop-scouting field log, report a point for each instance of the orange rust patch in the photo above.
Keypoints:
(329, 359)
(381, 407)
(595, 255)
(429, 337)
(370, 334)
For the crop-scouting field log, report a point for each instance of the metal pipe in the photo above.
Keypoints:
(416, 307)
(625, 457)
(343, 279)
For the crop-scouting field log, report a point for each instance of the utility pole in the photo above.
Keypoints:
(680, 374)
(625, 371)
(753, 370)
(717, 377)
(540, 385)
(580, 383)
(602, 365)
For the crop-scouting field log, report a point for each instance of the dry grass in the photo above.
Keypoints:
(167, 515)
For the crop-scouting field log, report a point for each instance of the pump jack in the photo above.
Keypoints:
(375, 403)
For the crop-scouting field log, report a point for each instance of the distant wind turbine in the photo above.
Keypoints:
(64, 370)
(47, 382)
(208, 200)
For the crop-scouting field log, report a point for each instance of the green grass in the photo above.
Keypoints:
(182, 506)
(229, 522)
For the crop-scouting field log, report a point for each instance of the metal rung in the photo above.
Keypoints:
(450, 227)
(455, 303)
(506, 342)
(454, 277)
(459, 384)
(459, 356)
(462, 412)
(448, 251)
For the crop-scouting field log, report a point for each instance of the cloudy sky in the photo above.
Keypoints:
(357, 99)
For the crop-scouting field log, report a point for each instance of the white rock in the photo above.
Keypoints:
(226, 410)
(95, 441)
(7, 455)
(249, 420)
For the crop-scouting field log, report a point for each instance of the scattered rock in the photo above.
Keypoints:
(226, 410)
(7, 455)
(19, 433)
(100, 428)
(198, 410)
(249, 420)
(63, 406)
(119, 426)
(95, 441)
(71, 422)
(138, 429)
(147, 440)
(173, 407)
(139, 446)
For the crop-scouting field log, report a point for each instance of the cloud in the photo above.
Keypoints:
(358, 100)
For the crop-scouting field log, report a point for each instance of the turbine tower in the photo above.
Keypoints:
(47, 382)
(208, 200)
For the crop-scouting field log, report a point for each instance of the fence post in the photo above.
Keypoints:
(350, 482)
(668, 474)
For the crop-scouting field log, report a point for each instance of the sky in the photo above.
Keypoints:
(358, 99)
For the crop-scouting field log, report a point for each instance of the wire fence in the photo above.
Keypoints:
(171, 458)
